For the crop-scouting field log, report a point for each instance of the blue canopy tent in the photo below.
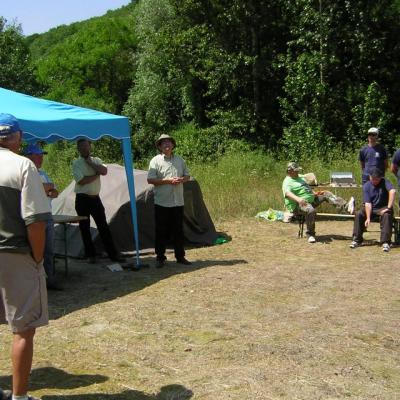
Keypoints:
(51, 121)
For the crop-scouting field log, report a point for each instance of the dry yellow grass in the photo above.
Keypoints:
(265, 316)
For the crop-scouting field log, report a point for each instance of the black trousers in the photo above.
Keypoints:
(169, 224)
(386, 224)
(92, 206)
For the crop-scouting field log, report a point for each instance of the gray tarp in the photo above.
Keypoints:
(198, 226)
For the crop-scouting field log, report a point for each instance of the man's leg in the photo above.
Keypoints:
(177, 231)
(161, 216)
(21, 356)
(386, 224)
(82, 207)
(359, 225)
(99, 216)
(309, 213)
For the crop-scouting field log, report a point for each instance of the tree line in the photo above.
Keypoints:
(299, 77)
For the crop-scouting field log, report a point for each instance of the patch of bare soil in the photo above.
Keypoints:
(265, 316)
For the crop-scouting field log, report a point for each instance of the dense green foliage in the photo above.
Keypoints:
(298, 77)
(16, 69)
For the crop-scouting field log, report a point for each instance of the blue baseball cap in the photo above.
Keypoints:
(33, 149)
(8, 124)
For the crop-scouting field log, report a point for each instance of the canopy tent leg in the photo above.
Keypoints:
(128, 162)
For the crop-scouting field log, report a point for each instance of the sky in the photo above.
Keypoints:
(38, 16)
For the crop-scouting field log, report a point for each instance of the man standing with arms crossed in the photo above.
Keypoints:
(87, 171)
(24, 210)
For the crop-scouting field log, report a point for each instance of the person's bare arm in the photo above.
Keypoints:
(99, 168)
(36, 239)
(158, 182)
(385, 164)
(88, 179)
(392, 195)
(50, 190)
(368, 211)
(394, 168)
(297, 199)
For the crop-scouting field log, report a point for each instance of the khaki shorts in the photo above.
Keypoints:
(23, 293)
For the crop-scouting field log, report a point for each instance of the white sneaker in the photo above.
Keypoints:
(354, 244)
(311, 239)
(351, 205)
(386, 247)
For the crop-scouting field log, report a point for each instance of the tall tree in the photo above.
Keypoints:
(16, 69)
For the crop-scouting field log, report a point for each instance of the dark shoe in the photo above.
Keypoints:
(183, 261)
(5, 394)
(160, 263)
(118, 259)
(52, 286)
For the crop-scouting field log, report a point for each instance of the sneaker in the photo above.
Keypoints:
(311, 239)
(354, 244)
(351, 205)
(386, 247)
(183, 261)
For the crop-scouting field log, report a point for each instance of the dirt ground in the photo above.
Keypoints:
(265, 316)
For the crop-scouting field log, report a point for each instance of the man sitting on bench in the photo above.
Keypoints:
(378, 196)
(301, 199)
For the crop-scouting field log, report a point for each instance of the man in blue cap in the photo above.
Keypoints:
(24, 211)
(35, 154)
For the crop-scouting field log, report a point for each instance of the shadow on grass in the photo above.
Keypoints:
(170, 392)
(50, 377)
(89, 284)
(330, 238)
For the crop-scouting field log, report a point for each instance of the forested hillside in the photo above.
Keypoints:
(299, 77)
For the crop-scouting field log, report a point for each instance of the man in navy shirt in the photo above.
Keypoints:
(395, 167)
(373, 155)
(378, 195)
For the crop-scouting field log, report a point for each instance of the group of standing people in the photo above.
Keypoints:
(27, 232)
(378, 193)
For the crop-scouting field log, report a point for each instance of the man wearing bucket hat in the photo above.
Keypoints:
(378, 196)
(301, 199)
(168, 173)
(373, 155)
(35, 154)
(24, 211)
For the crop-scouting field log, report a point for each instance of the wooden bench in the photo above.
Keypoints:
(301, 221)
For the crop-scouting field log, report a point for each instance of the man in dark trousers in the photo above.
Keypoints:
(24, 211)
(87, 171)
(378, 196)
(168, 173)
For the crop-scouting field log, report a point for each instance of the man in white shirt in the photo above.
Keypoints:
(168, 173)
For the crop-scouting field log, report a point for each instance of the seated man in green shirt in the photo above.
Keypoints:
(301, 199)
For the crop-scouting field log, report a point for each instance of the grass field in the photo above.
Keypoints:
(265, 316)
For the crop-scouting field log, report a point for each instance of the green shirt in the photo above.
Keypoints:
(299, 187)
(163, 167)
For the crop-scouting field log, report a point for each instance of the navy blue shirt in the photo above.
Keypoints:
(373, 157)
(378, 195)
(396, 162)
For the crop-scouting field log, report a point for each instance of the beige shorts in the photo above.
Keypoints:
(23, 293)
